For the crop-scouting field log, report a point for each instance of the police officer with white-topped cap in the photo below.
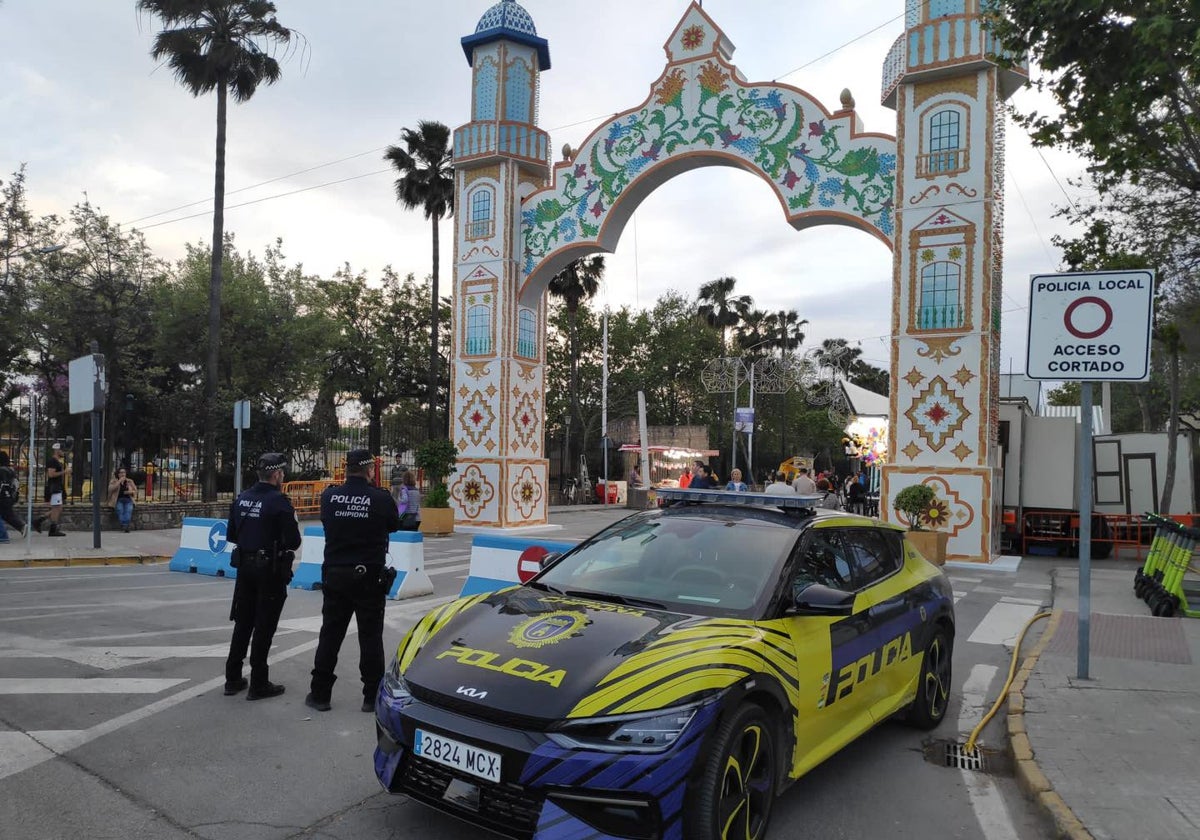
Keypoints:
(355, 578)
(262, 523)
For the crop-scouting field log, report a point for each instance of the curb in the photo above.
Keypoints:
(64, 562)
(1030, 778)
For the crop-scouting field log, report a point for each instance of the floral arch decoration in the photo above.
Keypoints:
(822, 167)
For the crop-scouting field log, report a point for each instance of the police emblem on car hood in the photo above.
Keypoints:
(555, 656)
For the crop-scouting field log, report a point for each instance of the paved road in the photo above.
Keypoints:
(113, 724)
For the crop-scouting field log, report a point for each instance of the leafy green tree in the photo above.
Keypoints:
(97, 289)
(426, 182)
(381, 339)
(1123, 77)
(221, 45)
(16, 246)
(576, 283)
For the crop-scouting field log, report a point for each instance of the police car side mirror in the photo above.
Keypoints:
(818, 599)
(549, 560)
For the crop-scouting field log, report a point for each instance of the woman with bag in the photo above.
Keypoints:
(409, 505)
(121, 491)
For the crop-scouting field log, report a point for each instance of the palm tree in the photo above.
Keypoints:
(576, 283)
(789, 330)
(720, 308)
(426, 182)
(217, 45)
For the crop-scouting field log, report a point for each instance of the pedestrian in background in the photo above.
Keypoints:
(735, 481)
(779, 487)
(121, 492)
(262, 523)
(56, 475)
(685, 478)
(702, 480)
(9, 496)
(803, 484)
(410, 503)
(396, 480)
(355, 578)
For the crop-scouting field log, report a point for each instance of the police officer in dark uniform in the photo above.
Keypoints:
(358, 516)
(263, 524)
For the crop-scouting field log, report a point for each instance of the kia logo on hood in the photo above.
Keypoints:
(471, 692)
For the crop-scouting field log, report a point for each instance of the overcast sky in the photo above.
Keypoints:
(84, 106)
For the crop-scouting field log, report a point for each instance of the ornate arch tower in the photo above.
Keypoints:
(497, 375)
(948, 96)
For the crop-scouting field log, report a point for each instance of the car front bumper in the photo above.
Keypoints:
(546, 791)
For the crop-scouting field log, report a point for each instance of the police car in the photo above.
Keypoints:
(669, 676)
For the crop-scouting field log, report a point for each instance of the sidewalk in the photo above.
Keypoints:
(1121, 749)
(159, 545)
(76, 548)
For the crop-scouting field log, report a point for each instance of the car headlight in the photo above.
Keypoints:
(646, 732)
(394, 682)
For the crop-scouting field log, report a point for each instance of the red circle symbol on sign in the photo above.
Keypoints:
(530, 563)
(1069, 315)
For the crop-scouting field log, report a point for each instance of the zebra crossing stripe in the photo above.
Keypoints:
(86, 685)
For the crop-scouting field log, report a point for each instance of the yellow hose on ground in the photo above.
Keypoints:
(969, 747)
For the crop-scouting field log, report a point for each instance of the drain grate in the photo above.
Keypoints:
(957, 756)
(953, 754)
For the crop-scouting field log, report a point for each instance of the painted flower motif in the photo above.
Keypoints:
(936, 515)
(887, 163)
(937, 413)
(580, 170)
(693, 37)
(476, 417)
(567, 228)
(712, 80)
(528, 491)
(816, 129)
(598, 209)
(791, 179)
(473, 491)
(829, 192)
(671, 92)
(955, 253)
(927, 255)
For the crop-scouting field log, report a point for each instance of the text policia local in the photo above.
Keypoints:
(1088, 358)
(356, 507)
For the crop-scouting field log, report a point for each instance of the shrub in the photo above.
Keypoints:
(912, 501)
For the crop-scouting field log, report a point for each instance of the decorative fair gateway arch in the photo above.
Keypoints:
(932, 194)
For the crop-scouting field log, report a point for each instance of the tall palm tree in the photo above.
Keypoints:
(789, 328)
(221, 45)
(576, 283)
(426, 183)
(720, 307)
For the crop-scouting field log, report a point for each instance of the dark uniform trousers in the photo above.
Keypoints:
(258, 596)
(350, 591)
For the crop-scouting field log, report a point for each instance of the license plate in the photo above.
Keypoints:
(460, 756)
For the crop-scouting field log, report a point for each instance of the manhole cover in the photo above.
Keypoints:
(981, 760)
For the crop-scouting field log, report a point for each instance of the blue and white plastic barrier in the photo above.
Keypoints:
(406, 554)
(496, 562)
(203, 548)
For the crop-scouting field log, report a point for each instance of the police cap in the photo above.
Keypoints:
(359, 458)
(271, 461)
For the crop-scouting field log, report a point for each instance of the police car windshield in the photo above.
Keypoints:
(691, 561)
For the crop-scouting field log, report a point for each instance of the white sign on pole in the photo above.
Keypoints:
(241, 414)
(1090, 327)
(86, 388)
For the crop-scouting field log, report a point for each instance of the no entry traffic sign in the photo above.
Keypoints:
(1092, 327)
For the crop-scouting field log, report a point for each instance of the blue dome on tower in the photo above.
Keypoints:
(508, 20)
(507, 14)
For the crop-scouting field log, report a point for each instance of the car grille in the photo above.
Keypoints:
(480, 711)
(506, 809)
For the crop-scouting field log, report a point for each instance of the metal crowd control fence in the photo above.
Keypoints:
(1162, 581)
(1058, 531)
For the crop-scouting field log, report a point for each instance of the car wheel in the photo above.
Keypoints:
(933, 687)
(733, 799)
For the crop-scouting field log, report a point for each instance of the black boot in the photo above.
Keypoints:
(264, 691)
(37, 524)
(234, 686)
(56, 531)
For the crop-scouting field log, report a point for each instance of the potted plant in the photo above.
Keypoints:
(437, 458)
(915, 502)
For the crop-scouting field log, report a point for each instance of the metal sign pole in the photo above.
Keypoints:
(29, 479)
(96, 478)
(1085, 528)
(733, 425)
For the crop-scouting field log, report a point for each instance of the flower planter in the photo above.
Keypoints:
(437, 521)
(931, 544)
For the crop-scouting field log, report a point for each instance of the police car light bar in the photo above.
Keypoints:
(731, 497)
